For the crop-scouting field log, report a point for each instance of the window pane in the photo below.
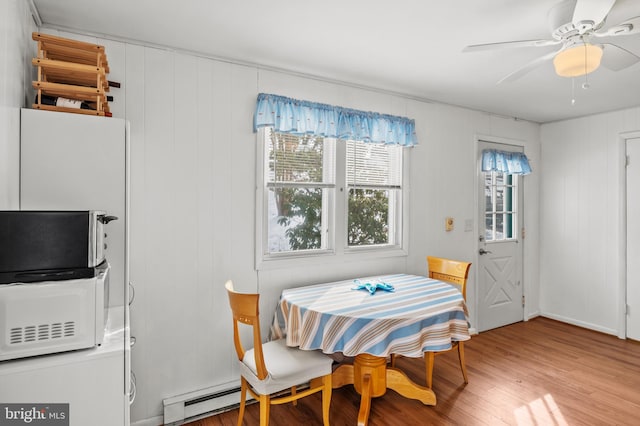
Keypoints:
(295, 158)
(373, 164)
(368, 217)
(499, 227)
(295, 219)
(500, 199)
(488, 227)
(488, 200)
(488, 192)
(509, 226)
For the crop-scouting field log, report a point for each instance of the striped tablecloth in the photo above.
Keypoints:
(422, 314)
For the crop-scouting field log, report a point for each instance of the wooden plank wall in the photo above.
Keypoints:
(582, 245)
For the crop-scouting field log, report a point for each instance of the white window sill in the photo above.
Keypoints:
(328, 258)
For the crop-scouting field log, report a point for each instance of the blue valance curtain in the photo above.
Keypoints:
(294, 116)
(513, 163)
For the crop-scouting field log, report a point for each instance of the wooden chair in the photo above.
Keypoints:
(454, 272)
(273, 367)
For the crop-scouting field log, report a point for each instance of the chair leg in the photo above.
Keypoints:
(429, 358)
(463, 366)
(293, 393)
(393, 360)
(265, 406)
(326, 399)
(243, 399)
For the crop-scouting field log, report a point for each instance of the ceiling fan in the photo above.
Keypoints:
(576, 25)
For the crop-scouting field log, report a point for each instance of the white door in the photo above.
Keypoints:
(633, 238)
(499, 278)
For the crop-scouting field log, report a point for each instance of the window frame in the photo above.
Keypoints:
(337, 240)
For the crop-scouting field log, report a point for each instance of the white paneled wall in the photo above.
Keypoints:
(580, 215)
(16, 51)
(193, 204)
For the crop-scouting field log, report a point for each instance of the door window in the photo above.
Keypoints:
(501, 195)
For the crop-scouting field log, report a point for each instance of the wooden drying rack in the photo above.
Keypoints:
(71, 69)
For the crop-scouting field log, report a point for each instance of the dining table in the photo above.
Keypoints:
(370, 318)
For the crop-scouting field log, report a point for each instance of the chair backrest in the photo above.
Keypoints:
(244, 307)
(451, 271)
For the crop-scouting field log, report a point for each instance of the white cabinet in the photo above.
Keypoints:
(91, 381)
(79, 162)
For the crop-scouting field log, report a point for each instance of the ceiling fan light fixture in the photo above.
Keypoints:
(578, 60)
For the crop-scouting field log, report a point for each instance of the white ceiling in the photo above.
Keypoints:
(412, 47)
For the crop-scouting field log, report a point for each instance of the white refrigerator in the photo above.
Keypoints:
(79, 162)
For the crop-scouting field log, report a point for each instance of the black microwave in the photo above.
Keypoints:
(50, 245)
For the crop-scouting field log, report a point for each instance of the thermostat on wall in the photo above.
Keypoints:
(448, 224)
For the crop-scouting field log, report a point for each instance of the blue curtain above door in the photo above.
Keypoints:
(512, 163)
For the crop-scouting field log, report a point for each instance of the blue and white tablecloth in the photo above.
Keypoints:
(421, 314)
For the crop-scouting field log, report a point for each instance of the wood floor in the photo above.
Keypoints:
(540, 372)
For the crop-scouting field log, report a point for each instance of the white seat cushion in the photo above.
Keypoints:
(286, 367)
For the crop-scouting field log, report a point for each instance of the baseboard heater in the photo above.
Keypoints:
(195, 405)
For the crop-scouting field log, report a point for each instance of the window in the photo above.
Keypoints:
(300, 185)
(500, 191)
(322, 195)
(374, 180)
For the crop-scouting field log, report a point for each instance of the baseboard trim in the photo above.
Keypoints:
(579, 323)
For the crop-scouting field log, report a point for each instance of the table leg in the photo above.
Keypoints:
(365, 400)
(399, 382)
(371, 378)
(375, 368)
(343, 375)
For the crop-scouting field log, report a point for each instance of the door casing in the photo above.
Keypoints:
(507, 305)
(630, 293)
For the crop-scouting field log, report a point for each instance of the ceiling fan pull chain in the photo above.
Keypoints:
(573, 91)
(585, 85)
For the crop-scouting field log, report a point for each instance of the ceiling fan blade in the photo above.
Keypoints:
(510, 44)
(592, 10)
(628, 27)
(529, 67)
(617, 58)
